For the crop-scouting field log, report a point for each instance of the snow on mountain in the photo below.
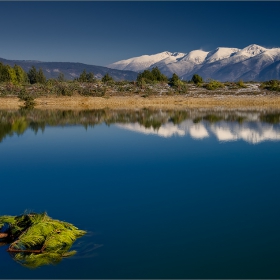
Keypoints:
(196, 56)
(251, 50)
(143, 62)
(253, 62)
(221, 53)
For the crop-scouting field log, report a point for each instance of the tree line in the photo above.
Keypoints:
(17, 75)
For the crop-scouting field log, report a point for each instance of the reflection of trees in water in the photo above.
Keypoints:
(272, 118)
(17, 122)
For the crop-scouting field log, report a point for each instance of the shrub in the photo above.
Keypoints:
(241, 84)
(212, 85)
(273, 85)
(63, 89)
(29, 100)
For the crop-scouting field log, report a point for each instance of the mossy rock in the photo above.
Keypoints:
(36, 239)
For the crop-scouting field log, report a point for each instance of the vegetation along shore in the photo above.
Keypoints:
(152, 88)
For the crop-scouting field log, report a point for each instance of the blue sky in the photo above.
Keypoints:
(100, 33)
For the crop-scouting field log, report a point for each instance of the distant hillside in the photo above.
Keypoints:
(71, 70)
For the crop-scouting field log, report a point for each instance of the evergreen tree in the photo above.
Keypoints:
(174, 79)
(158, 76)
(106, 78)
(152, 76)
(146, 75)
(60, 77)
(90, 77)
(41, 77)
(197, 79)
(32, 75)
(83, 77)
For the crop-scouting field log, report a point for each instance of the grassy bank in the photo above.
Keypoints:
(130, 102)
(55, 94)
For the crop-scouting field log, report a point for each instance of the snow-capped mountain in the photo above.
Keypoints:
(225, 64)
(145, 61)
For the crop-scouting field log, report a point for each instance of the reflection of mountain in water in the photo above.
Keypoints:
(252, 132)
(226, 125)
(166, 130)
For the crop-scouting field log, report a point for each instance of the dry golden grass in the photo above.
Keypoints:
(10, 103)
(121, 102)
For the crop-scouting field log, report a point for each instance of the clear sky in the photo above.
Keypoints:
(100, 33)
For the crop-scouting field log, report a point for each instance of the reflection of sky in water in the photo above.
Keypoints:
(251, 132)
(169, 207)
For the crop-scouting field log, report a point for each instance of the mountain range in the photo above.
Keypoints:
(71, 70)
(253, 63)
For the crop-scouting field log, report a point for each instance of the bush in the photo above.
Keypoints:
(212, 85)
(273, 85)
(63, 89)
(241, 84)
(29, 100)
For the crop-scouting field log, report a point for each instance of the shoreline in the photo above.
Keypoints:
(138, 102)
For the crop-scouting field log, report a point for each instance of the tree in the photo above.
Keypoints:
(41, 77)
(60, 77)
(20, 74)
(15, 75)
(83, 77)
(32, 75)
(152, 76)
(8, 74)
(146, 75)
(36, 77)
(197, 79)
(90, 77)
(106, 78)
(158, 76)
(86, 77)
(174, 79)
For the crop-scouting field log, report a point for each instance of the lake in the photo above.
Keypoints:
(188, 193)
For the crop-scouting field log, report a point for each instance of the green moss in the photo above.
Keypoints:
(37, 239)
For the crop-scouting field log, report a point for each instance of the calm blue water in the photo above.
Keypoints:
(187, 200)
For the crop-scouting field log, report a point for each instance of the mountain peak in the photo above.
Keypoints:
(221, 53)
(196, 56)
(252, 50)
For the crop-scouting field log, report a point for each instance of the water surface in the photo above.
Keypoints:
(163, 194)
